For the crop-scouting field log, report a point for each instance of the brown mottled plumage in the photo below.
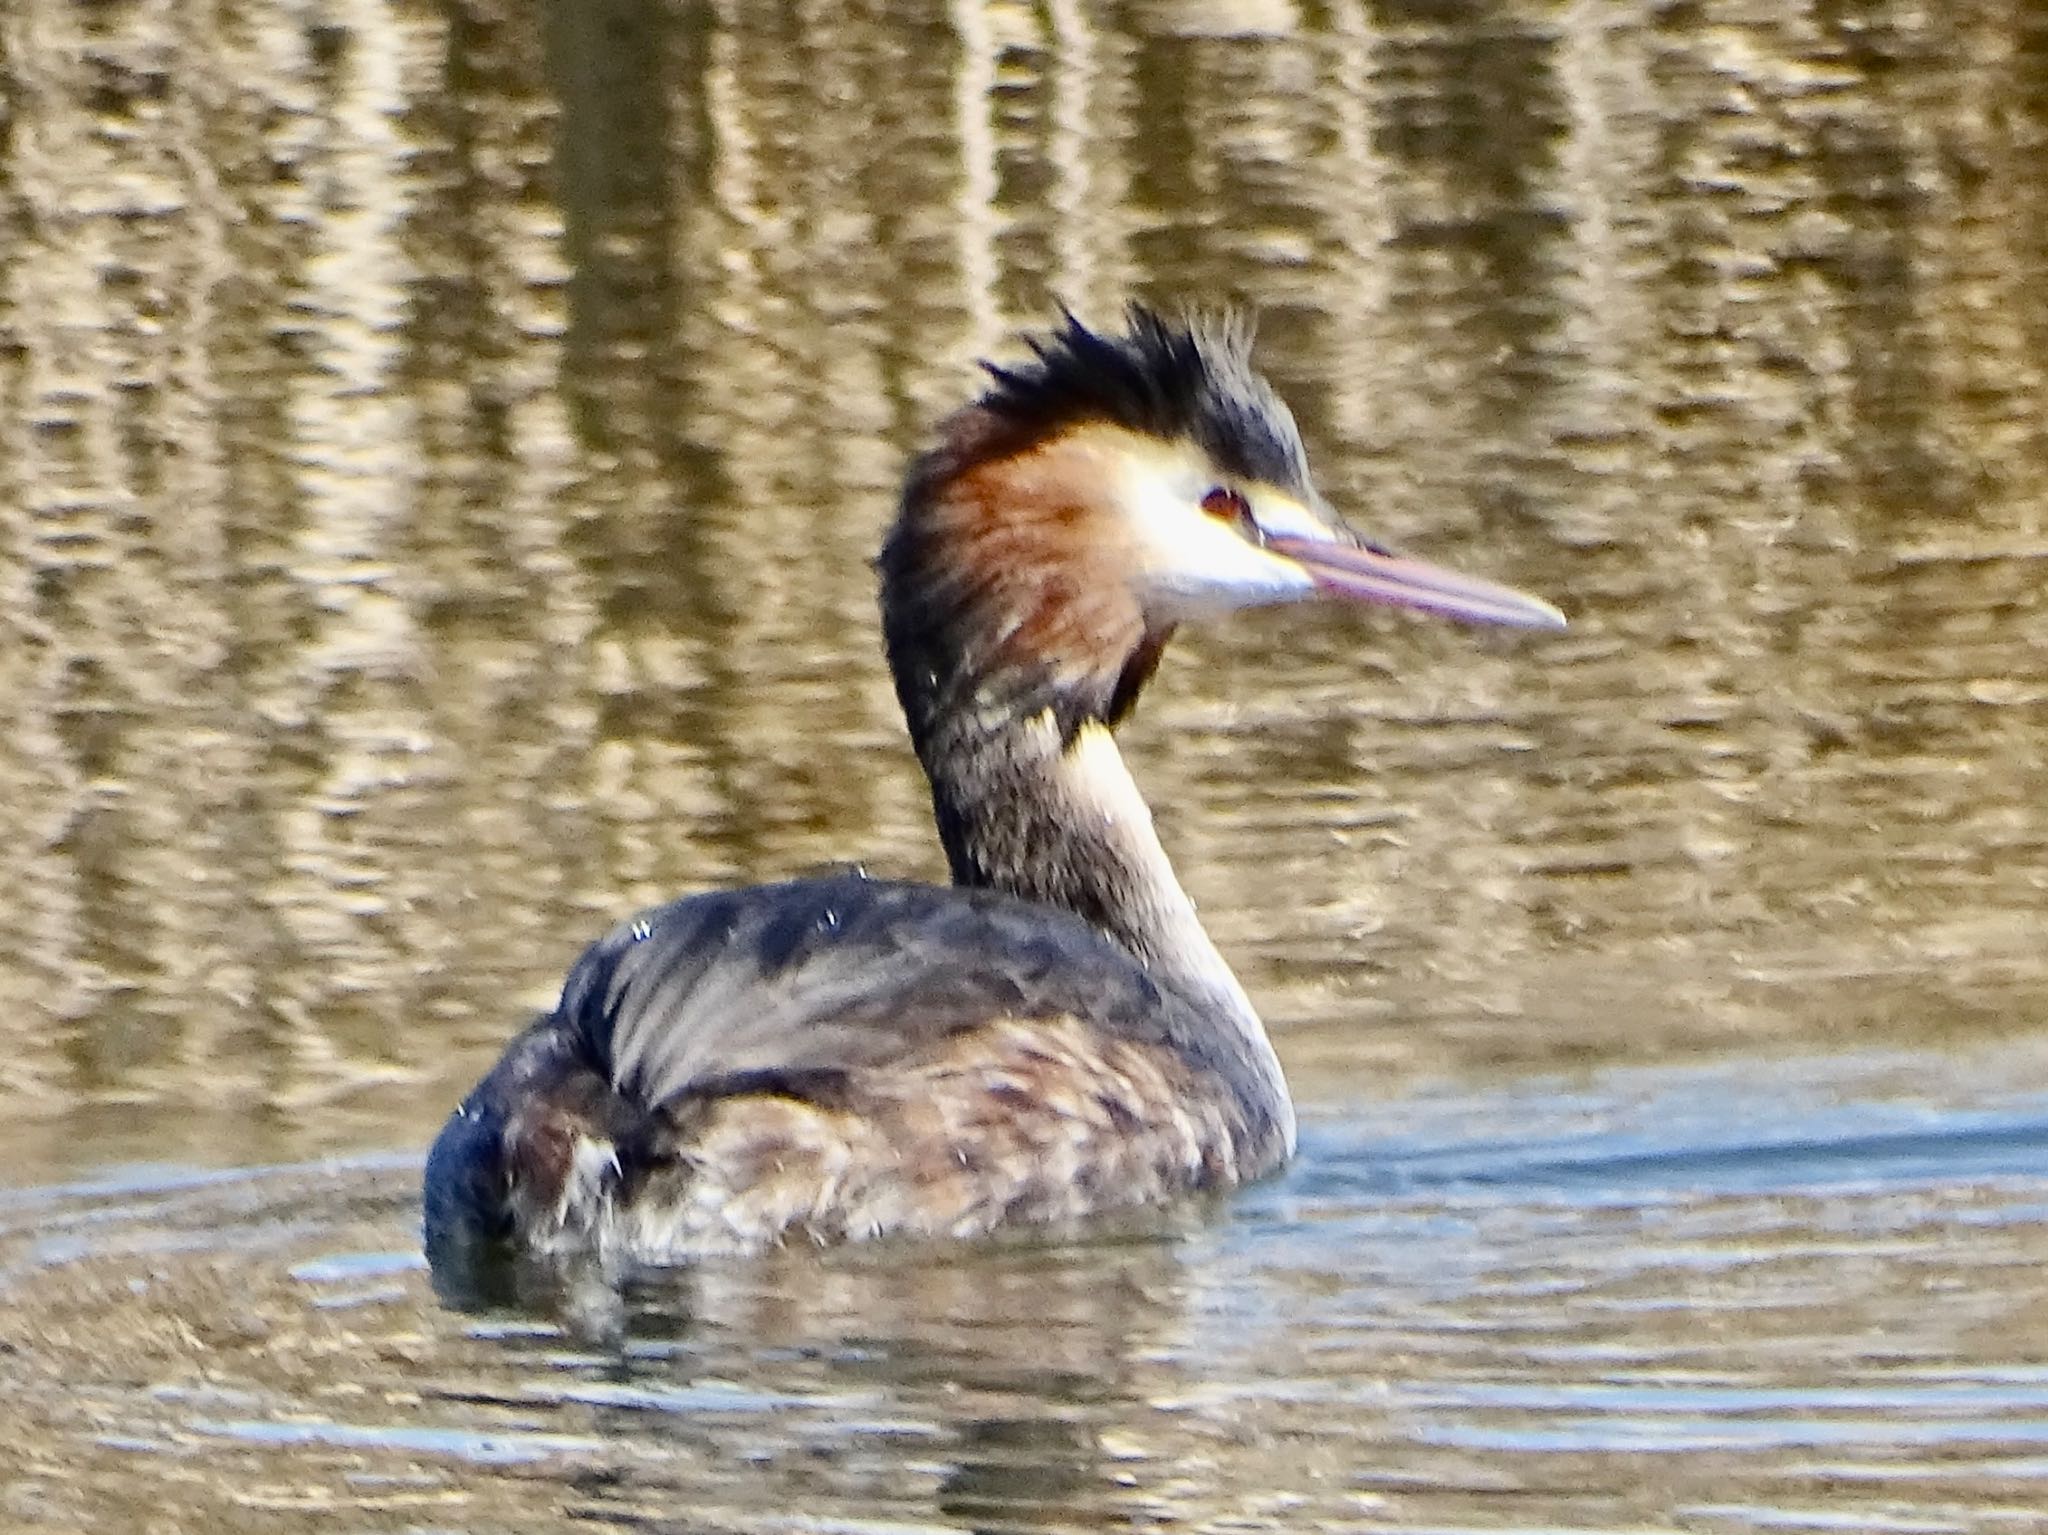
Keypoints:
(1088, 1115)
(1054, 1035)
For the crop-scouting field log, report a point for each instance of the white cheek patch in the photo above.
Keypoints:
(1195, 565)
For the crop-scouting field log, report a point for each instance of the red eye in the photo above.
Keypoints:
(1226, 505)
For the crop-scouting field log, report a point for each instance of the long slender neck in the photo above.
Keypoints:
(1013, 656)
(1054, 818)
(1058, 820)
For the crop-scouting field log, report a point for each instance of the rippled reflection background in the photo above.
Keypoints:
(440, 448)
(443, 444)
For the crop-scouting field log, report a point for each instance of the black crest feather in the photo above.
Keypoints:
(1166, 379)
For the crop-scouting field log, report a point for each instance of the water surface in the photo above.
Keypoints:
(440, 449)
(1650, 1298)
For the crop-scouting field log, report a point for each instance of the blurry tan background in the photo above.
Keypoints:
(441, 445)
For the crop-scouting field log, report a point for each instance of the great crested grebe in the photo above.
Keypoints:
(1053, 1035)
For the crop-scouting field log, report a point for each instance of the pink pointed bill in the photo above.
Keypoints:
(1346, 570)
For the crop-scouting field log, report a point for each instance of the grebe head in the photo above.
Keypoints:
(1096, 496)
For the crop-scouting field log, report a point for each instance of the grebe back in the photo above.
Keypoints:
(1053, 1035)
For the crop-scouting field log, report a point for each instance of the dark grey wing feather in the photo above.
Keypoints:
(827, 976)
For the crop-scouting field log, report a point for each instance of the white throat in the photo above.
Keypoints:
(1175, 946)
